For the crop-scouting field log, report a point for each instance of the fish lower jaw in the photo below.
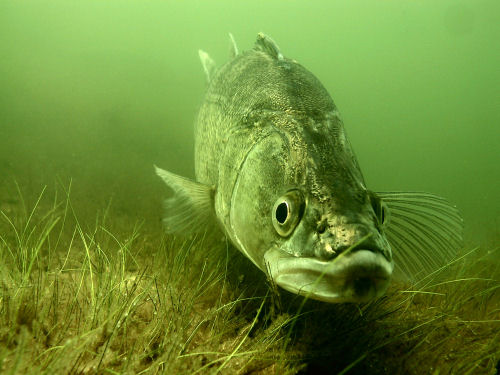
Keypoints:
(357, 277)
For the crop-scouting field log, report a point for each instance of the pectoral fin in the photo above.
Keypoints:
(425, 232)
(191, 209)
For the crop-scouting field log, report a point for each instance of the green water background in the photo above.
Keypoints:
(99, 91)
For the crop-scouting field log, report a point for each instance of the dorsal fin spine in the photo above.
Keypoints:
(208, 64)
(233, 47)
(269, 46)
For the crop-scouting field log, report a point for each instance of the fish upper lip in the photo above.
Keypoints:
(354, 277)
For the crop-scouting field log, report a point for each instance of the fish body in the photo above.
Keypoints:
(276, 173)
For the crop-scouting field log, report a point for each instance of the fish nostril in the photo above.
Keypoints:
(322, 226)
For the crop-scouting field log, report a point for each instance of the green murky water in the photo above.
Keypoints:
(98, 92)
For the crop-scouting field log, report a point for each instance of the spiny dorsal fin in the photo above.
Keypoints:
(208, 64)
(191, 209)
(233, 47)
(424, 230)
(267, 45)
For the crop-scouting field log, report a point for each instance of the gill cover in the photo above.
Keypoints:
(261, 177)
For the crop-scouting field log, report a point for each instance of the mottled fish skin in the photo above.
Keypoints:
(273, 162)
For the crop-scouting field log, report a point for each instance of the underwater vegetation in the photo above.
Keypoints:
(89, 295)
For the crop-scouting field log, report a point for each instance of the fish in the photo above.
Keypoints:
(276, 174)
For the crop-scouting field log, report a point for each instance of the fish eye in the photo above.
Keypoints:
(282, 212)
(382, 213)
(380, 209)
(287, 212)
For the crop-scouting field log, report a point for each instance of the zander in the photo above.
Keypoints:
(277, 174)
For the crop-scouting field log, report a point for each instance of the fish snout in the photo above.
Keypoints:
(366, 276)
(351, 238)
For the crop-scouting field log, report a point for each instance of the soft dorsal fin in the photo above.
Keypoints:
(208, 64)
(267, 45)
(233, 48)
(191, 209)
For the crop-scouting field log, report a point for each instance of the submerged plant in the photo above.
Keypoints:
(85, 296)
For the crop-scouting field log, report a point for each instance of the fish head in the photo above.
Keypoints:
(332, 254)
(309, 222)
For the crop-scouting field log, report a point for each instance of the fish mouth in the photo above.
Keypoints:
(357, 276)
